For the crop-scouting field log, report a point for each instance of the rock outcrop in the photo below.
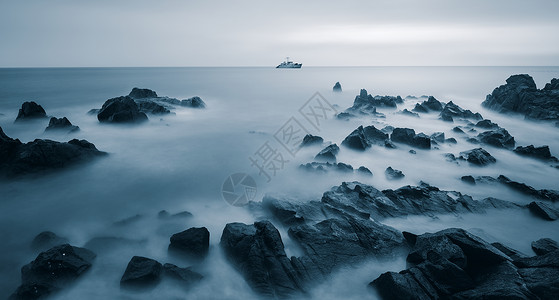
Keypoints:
(121, 110)
(141, 273)
(328, 154)
(310, 140)
(364, 137)
(541, 152)
(29, 111)
(500, 138)
(408, 136)
(392, 174)
(46, 240)
(62, 124)
(337, 87)
(451, 111)
(193, 242)
(478, 156)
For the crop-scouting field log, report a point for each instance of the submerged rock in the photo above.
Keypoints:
(52, 271)
(337, 87)
(478, 157)
(310, 140)
(544, 194)
(520, 95)
(194, 102)
(17, 158)
(61, 124)
(141, 273)
(364, 170)
(121, 110)
(408, 136)
(323, 167)
(451, 111)
(193, 242)
(392, 174)
(185, 276)
(328, 154)
(29, 111)
(498, 138)
(46, 240)
(544, 246)
(406, 112)
(363, 137)
(543, 211)
(541, 152)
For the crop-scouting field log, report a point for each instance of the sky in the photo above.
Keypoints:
(114, 33)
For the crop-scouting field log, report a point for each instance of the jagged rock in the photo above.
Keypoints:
(541, 152)
(150, 107)
(323, 167)
(497, 138)
(61, 124)
(141, 273)
(257, 252)
(420, 108)
(392, 174)
(363, 137)
(328, 154)
(520, 95)
(52, 271)
(138, 93)
(337, 87)
(186, 276)
(408, 136)
(433, 104)
(512, 253)
(451, 111)
(121, 110)
(38, 156)
(437, 137)
(46, 240)
(487, 124)
(365, 170)
(165, 215)
(457, 129)
(30, 110)
(193, 242)
(544, 246)
(543, 211)
(289, 212)
(549, 195)
(194, 102)
(406, 112)
(451, 141)
(468, 179)
(478, 157)
(366, 104)
(310, 139)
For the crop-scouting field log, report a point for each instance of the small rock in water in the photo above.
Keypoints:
(61, 124)
(365, 170)
(498, 138)
(487, 124)
(310, 140)
(541, 152)
(30, 110)
(141, 273)
(392, 174)
(186, 276)
(337, 87)
(328, 154)
(468, 179)
(408, 136)
(194, 102)
(193, 242)
(478, 157)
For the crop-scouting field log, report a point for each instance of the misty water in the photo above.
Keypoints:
(179, 162)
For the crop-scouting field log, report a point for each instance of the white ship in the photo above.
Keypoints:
(289, 64)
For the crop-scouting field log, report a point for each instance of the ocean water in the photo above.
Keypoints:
(179, 162)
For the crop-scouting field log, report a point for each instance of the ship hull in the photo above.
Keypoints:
(293, 66)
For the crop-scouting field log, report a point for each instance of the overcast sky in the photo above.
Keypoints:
(261, 33)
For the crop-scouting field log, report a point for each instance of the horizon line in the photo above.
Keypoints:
(265, 66)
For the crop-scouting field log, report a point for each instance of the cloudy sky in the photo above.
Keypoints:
(261, 33)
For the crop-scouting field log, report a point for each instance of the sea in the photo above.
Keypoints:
(180, 162)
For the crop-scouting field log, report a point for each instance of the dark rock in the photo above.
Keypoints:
(457, 129)
(520, 95)
(61, 124)
(387, 129)
(30, 110)
(193, 242)
(451, 141)
(186, 276)
(468, 179)
(401, 286)
(328, 154)
(52, 271)
(512, 253)
(451, 111)
(497, 138)
(365, 104)
(38, 156)
(412, 151)
(310, 139)
(180, 215)
(46, 240)
(409, 113)
(363, 137)
(257, 252)
(337, 87)
(150, 107)
(543, 282)
(365, 170)
(138, 93)
(543, 211)
(438, 137)
(141, 273)
(549, 195)
(472, 140)
(541, 152)
(487, 124)
(478, 157)
(408, 136)
(121, 110)
(194, 102)
(93, 111)
(289, 212)
(544, 246)
(392, 174)
(433, 104)
(420, 108)
(323, 167)
(553, 85)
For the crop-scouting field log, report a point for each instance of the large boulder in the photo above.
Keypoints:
(257, 252)
(121, 110)
(141, 273)
(193, 242)
(328, 154)
(408, 136)
(541, 152)
(521, 95)
(30, 110)
(478, 156)
(138, 93)
(451, 111)
(61, 124)
(363, 137)
(52, 271)
(17, 158)
(500, 138)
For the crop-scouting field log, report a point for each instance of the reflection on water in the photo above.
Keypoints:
(178, 162)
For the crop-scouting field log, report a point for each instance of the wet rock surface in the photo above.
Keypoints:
(541, 152)
(407, 136)
(29, 111)
(61, 124)
(193, 242)
(310, 140)
(17, 158)
(364, 137)
(478, 156)
(498, 138)
(141, 273)
(121, 110)
(543, 211)
(544, 246)
(452, 111)
(392, 174)
(52, 271)
(328, 154)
